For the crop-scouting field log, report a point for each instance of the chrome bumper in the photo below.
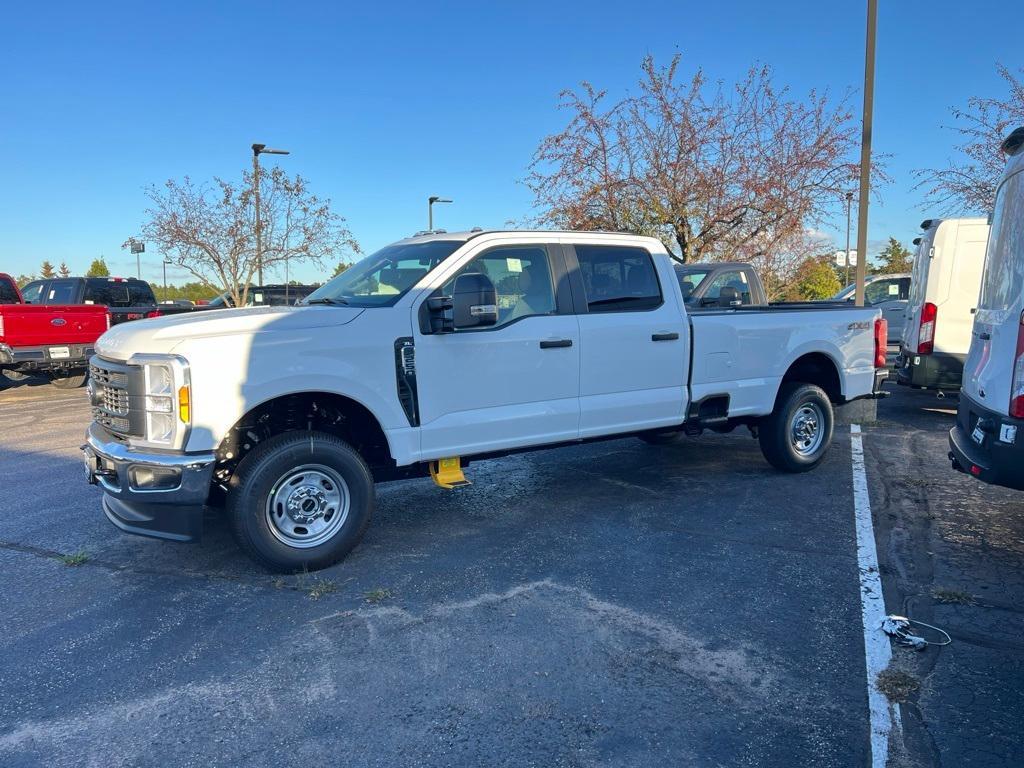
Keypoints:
(174, 511)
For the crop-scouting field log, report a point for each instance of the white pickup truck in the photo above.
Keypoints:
(436, 350)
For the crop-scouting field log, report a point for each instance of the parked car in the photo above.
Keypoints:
(943, 297)
(266, 296)
(702, 283)
(128, 298)
(988, 439)
(887, 292)
(439, 350)
(56, 341)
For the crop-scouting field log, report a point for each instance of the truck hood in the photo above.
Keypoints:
(160, 335)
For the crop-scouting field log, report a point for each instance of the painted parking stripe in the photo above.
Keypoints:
(884, 717)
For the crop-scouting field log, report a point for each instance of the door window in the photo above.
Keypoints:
(887, 290)
(61, 292)
(7, 293)
(1004, 261)
(140, 295)
(30, 293)
(730, 279)
(521, 277)
(107, 294)
(618, 279)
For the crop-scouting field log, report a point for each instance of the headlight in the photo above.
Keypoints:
(166, 400)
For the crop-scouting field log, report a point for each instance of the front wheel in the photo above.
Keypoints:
(68, 379)
(300, 501)
(795, 437)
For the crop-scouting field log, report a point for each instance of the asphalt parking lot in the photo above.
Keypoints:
(608, 604)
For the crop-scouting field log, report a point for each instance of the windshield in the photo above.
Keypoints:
(382, 278)
(1004, 262)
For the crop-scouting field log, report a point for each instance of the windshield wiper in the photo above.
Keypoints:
(329, 301)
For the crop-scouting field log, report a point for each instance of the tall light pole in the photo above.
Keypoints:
(257, 150)
(430, 209)
(138, 248)
(849, 204)
(865, 151)
(166, 262)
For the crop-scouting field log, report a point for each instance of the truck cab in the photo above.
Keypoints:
(988, 439)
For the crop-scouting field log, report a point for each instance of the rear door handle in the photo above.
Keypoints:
(664, 336)
(556, 343)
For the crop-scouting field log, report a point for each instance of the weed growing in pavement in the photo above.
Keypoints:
(320, 587)
(896, 685)
(953, 596)
(378, 595)
(74, 558)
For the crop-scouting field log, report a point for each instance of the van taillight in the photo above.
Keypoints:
(1017, 380)
(926, 338)
(881, 339)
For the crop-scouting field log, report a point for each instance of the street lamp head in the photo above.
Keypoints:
(262, 149)
(436, 199)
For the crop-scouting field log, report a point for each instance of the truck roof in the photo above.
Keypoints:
(466, 235)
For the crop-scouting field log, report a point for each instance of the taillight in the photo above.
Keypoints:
(881, 339)
(153, 313)
(926, 337)
(1017, 381)
(108, 319)
(1, 325)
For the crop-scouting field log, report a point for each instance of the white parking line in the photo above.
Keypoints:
(884, 717)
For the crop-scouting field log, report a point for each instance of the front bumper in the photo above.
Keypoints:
(937, 370)
(174, 512)
(998, 458)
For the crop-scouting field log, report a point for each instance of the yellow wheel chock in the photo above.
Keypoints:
(447, 473)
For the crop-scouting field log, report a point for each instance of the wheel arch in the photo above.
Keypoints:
(816, 368)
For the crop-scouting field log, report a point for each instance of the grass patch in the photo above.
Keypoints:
(74, 559)
(378, 595)
(952, 596)
(318, 588)
(896, 685)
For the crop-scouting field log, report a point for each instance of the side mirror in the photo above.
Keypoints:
(729, 297)
(474, 301)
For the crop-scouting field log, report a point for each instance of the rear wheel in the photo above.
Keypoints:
(795, 437)
(68, 379)
(300, 501)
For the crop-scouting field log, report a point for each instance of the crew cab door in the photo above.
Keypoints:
(634, 339)
(512, 384)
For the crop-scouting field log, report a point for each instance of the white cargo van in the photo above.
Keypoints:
(944, 289)
(988, 439)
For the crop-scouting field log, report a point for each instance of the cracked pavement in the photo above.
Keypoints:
(607, 604)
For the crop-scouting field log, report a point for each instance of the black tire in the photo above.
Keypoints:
(262, 473)
(776, 432)
(661, 438)
(68, 379)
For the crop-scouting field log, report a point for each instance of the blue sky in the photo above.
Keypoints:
(383, 105)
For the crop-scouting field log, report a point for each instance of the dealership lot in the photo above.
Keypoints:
(608, 604)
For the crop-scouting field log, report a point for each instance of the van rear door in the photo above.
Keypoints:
(988, 371)
(918, 287)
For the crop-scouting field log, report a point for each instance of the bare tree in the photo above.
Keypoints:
(715, 172)
(968, 183)
(209, 230)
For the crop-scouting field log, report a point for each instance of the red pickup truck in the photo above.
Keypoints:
(56, 341)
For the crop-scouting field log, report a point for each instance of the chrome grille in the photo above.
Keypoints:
(109, 395)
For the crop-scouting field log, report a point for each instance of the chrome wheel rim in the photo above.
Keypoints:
(307, 506)
(806, 430)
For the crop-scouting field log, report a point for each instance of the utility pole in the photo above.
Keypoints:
(849, 204)
(166, 262)
(257, 150)
(865, 151)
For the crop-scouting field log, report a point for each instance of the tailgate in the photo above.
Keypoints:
(31, 325)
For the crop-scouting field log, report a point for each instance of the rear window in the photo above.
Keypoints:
(109, 294)
(618, 279)
(1004, 260)
(7, 293)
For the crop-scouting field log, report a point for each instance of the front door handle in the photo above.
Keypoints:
(664, 336)
(556, 343)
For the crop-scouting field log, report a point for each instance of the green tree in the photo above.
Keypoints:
(894, 258)
(98, 268)
(64, 270)
(24, 280)
(814, 280)
(342, 266)
(46, 270)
